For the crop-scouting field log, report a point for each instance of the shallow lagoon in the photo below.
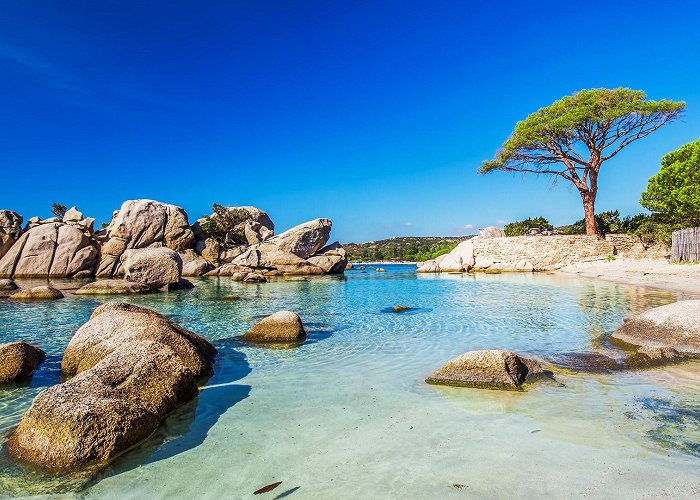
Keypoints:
(347, 414)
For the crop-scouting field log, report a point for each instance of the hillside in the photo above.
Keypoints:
(405, 248)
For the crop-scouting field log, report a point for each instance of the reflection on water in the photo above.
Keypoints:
(347, 414)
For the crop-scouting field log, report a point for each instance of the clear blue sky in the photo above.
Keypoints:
(374, 114)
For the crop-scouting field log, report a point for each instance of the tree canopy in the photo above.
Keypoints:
(674, 193)
(572, 137)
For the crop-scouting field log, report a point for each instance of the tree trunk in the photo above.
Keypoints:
(589, 213)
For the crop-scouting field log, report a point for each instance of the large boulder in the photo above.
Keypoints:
(18, 361)
(491, 232)
(43, 292)
(305, 239)
(112, 287)
(332, 259)
(143, 224)
(10, 229)
(131, 367)
(487, 369)
(155, 267)
(54, 250)
(280, 327)
(194, 264)
(272, 259)
(674, 325)
(460, 259)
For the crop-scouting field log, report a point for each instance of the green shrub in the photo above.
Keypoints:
(522, 227)
(225, 225)
(58, 210)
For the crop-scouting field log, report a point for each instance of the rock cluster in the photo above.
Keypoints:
(142, 224)
(131, 368)
(18, 361)
(152, 243)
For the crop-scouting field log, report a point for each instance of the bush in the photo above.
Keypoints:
(522, 227)
(58, 210)
(225, 225)
(673, 195)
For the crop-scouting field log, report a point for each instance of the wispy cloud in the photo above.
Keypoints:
(501, 222)
(466, 228)
(50, 74)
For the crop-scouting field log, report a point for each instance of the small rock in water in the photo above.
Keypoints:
(381, 270)
(649, 357)
(231, 297)
(280, 327)
(399, 309)
(38, 293)
(361, 268)
(19, 360)
(487, 369)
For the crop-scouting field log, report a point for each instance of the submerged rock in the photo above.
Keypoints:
(132, 367)
(487, 369)
(401, 308)
(282, 326)
(155, 267)
(38, 293)
(674, 325)
(649, 357)
(112, 287)
(18, 360)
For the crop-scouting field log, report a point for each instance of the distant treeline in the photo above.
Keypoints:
(412, 249)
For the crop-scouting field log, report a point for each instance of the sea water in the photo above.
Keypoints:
(348, 414)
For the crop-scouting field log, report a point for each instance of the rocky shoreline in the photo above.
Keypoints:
(153, 244)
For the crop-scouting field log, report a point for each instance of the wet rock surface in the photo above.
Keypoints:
(18, 360)
(131, 368)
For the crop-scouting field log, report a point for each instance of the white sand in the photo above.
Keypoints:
(658, 273)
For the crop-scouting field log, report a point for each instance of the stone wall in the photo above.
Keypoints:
(546, 252)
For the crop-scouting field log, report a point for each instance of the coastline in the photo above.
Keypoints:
(651, 273)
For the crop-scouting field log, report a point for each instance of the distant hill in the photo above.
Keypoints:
(403, 248)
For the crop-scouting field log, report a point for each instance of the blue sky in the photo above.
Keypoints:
(374, 114)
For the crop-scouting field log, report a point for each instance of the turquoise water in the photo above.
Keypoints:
(347, 414)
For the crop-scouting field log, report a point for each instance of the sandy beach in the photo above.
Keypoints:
(656, 273)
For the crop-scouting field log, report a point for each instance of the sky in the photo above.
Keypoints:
(376, 114)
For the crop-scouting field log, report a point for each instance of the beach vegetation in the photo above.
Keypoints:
(225, 224)
(520, 228)
(673, 195)
(58, 210)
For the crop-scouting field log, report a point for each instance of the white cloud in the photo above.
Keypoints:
(466, 228)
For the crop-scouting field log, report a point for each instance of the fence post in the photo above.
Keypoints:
(685, 245)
